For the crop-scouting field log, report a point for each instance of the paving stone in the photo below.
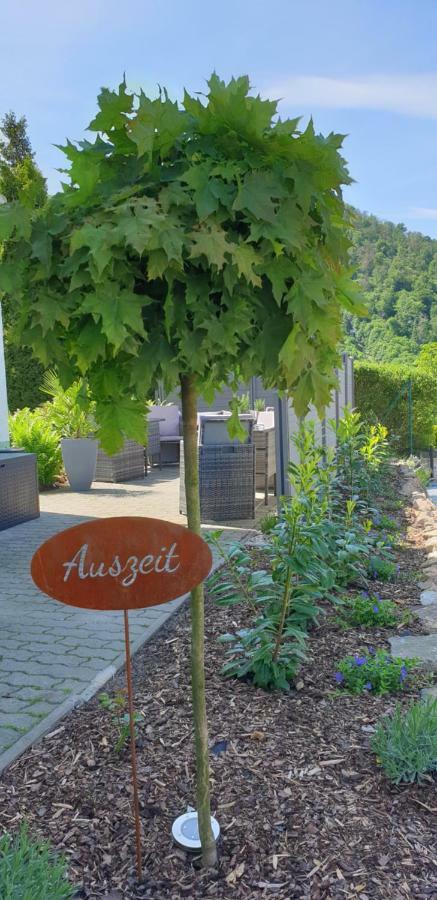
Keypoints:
(428, 617)
(423, 647)
(12, 705)
(428, 597)
(40, 709)
(7, 737)
(430, 691)
(17, 721)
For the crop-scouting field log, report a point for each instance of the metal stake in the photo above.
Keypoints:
(136, 804)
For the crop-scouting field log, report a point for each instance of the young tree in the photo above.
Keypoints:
(20, 177)
(190, 244)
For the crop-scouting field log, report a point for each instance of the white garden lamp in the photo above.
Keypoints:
(4, 429)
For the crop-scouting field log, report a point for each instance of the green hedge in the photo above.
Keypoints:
(24, 374)
(376, 387)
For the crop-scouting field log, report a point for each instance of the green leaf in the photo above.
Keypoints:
(211, 242)
(246, 257)
(90, 345)
(117, 309)
(124, 418)
(99, 239)
(113, 109)
(259, 194)
(42, 245)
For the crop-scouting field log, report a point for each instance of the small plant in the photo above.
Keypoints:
(385, 523)
(30, 430)
(406, 742)
(259, 404)
(369, 610)
(381, 569)
(268, 523)
(375, 672)
(29, 869)
(117, 706)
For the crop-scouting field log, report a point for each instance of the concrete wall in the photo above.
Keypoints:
(4, 430)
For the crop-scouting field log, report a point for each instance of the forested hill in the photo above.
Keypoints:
(397, 271)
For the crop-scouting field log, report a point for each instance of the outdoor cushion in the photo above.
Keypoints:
(169, 417)
(168, 438)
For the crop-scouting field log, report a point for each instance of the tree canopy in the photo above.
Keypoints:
(397, 271)
(207, 239)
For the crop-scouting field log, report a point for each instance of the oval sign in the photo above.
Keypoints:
(126, 562)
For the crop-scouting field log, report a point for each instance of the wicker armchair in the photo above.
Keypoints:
(226, 471)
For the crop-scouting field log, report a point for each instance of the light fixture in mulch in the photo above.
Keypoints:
(185, 831)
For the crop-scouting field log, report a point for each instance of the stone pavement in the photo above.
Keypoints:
(423, 646)
(54, 656)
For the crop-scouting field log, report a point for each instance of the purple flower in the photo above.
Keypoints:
(360, 660)
(375, 608)
(372, 651)
(376, 596)
(403, 674)
(339, 677)
(368, 686)
(364, 593)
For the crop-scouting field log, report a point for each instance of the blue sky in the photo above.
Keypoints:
(366, 68)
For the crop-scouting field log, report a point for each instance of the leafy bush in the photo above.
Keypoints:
(70, 411)
(380, 395)
(322, 540)
(30, 871)
(369, 610)
(376, 672)
(32, 431)
(381, 569)
(406, 742)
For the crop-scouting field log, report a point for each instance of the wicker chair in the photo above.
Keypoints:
(153, 448)
(226, 471)
(126, 465)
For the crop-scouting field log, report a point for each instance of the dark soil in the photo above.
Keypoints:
(304, 811)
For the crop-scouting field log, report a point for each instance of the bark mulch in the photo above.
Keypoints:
(304, 811)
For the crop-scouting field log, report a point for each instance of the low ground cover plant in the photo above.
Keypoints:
(29, 870)
(375, 672)
(405, 743)
(381, 569)
(368, 609)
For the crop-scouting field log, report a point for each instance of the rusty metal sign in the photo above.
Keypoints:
(127, 562)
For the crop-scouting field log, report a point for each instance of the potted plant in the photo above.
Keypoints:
(71, 415)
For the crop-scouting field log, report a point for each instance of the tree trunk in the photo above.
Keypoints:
(189, 418)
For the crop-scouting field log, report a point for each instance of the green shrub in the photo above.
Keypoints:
(369, 610)
(29, 870)
(380, 397)
(31, 430)
(406, 742)
(381, 569)
(376, 672)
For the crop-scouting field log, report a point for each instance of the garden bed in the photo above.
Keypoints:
(303, 808)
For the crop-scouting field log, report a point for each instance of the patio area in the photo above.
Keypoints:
(52, 656)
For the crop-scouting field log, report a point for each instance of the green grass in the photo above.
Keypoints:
(29, 870)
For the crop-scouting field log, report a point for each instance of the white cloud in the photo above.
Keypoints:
(422, 212)
(414, 95)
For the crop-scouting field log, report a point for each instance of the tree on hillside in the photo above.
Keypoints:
(397, 271)
(192, 245)
(20, 177)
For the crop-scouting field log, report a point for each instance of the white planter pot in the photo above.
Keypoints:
(80, 459)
